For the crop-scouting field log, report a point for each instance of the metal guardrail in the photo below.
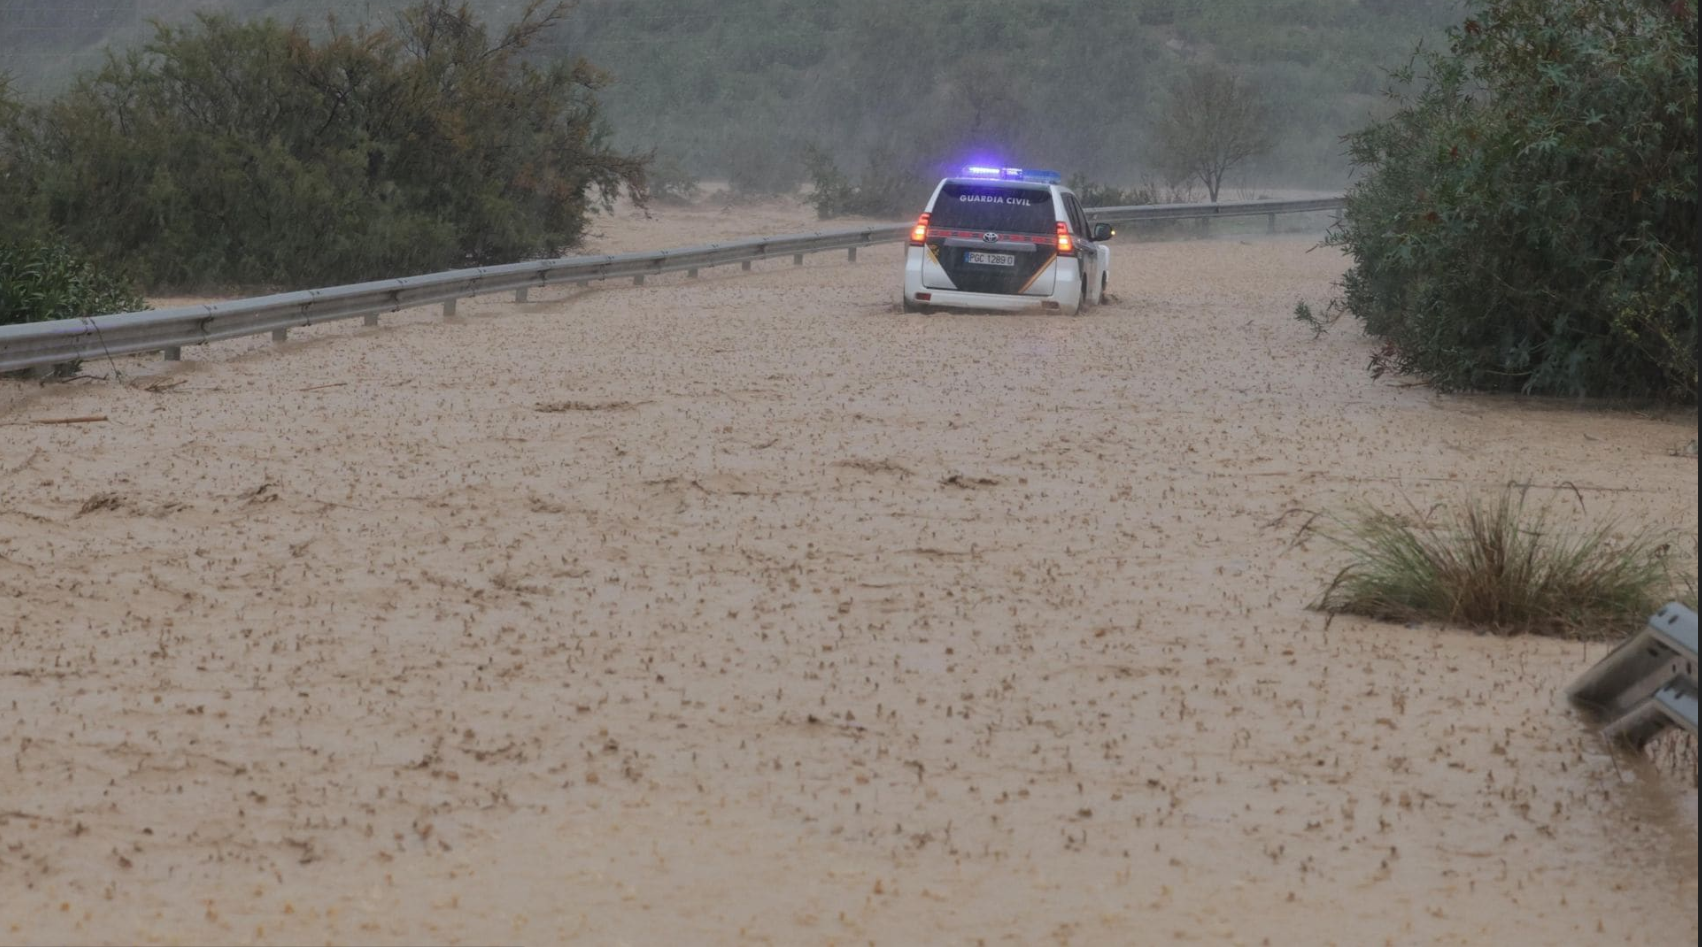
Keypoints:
(1137, 212)
(167, 330)
(1648, 683)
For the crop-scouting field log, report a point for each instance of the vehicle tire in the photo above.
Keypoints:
(1104, 283)
(1081, 297)
(909, 306)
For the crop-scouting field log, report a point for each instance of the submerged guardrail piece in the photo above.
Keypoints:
(1648, 683)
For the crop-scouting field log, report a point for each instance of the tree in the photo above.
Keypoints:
(1212, 122)
(252, 153)
(1525, 219)
(11, 110)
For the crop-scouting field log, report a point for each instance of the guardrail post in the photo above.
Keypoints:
(745, 265)
(371, 319)
(638, 280)
(1270, 223)
(851, 254)
(172, 354)
(521, 294)
(797, 259)
(280, 335)
(583, 284)
(449, 308)
(691, 273)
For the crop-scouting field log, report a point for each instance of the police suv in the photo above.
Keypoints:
(1006, 239)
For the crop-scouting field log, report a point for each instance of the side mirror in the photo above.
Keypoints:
(1102, 233)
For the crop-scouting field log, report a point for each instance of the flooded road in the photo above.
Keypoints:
(751, 610)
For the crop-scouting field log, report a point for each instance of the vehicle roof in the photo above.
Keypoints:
(1000, 182)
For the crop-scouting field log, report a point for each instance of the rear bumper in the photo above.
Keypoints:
(1066, 292)
(949, 299)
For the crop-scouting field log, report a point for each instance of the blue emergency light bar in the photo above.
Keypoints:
(1013, 174)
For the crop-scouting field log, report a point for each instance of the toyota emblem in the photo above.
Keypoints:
(989, 237)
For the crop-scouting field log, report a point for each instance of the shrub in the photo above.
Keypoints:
(40, 282)
(1527, 216)
(1499, 565)
(669, 182)
(248, 153)
(1318, 324)
(1094, 194)
(11, 190)
(889, 186)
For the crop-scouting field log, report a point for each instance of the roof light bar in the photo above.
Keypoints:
(1013, 174)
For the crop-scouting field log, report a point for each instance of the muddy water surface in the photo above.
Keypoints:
(751, 610)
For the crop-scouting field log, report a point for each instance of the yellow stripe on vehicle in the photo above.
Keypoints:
(1043, 268)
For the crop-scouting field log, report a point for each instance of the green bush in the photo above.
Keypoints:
(669, 182)
(238, 153)
(40, 282)
(1527, 216)
(888, 187)
(1094, 194)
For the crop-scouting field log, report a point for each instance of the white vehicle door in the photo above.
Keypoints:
(1086, 249)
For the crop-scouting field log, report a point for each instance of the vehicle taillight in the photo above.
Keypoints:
(919, 233)
(1066, 243)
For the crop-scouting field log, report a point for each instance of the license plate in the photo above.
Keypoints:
(990, 259)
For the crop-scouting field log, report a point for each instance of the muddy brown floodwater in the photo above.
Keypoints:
(750, 610)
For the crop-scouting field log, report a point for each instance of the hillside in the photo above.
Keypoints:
(741, 86)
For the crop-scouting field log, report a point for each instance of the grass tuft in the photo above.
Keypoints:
(1498, 564)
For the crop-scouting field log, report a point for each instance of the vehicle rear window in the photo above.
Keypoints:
(985, 207)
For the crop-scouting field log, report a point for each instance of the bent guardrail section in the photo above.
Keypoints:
(1648, 683)
(169, 330)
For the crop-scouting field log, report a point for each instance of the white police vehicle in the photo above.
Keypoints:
(1005, 239)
